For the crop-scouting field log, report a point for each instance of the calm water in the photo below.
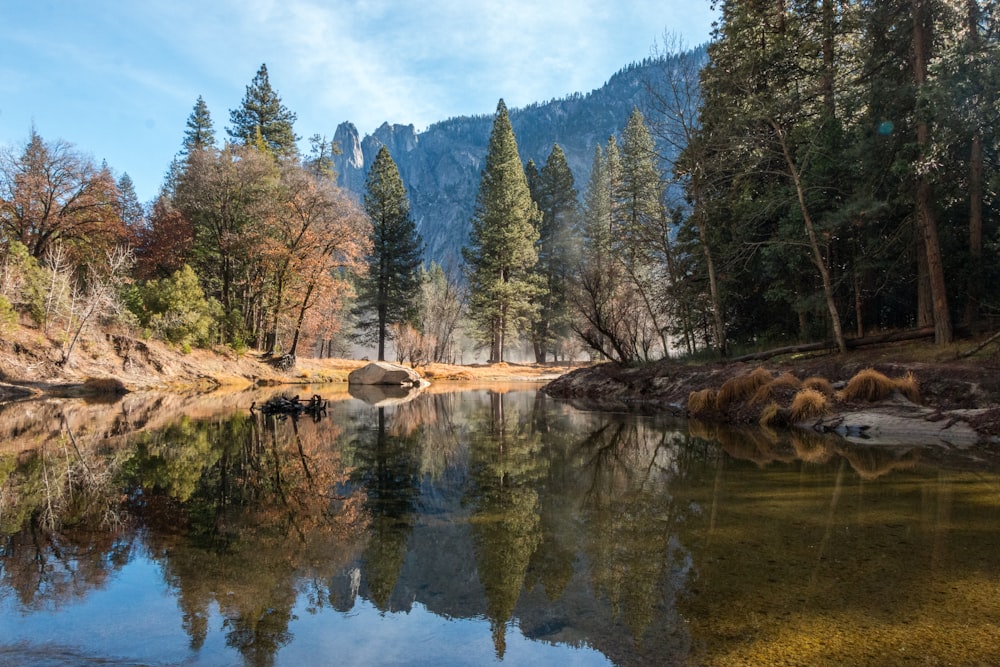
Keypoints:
(480, 527)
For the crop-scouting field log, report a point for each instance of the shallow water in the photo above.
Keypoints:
(479, 527)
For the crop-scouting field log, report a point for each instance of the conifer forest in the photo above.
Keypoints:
(818, 172)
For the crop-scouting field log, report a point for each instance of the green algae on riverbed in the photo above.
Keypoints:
(824, 568)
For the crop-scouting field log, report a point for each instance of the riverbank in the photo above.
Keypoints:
(30, 366)
(957, 402)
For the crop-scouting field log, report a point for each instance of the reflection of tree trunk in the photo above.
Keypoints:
(834, 500)
(716, 493)
(302, 455)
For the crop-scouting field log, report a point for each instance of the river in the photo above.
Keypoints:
(480, 525)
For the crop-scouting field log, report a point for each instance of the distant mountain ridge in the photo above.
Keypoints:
(441, 166)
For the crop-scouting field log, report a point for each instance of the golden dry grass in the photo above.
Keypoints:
(700, 402)
(786, 382)
(808, 404)
(909, 386)
(820, 384)
(771, 415)
(739, 389)
(868, 385)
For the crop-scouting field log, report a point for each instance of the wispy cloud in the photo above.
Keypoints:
(120, 78)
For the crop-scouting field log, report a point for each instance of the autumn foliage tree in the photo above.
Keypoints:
(50, 194)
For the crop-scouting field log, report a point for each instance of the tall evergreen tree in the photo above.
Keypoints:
(200, 132)
(262, 114)
(130, 211)
(390, 291)
(642, 239)
(555, 194)
(501, 254)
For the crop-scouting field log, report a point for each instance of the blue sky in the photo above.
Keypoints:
(119, 78)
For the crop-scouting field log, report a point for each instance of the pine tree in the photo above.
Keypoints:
(390, 291)
(555, 194)
(642, 240)
(322, 152)
(501, 254)
(130, 211)
(200, 133)
(262, 111)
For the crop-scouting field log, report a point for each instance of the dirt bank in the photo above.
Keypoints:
(30, 366)
(958, 402)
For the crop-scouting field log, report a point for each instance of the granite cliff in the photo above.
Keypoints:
(441, 165)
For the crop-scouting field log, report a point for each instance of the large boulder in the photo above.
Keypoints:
(382, 372)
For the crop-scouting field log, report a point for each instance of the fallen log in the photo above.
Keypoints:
(992, 339)
(852, 343)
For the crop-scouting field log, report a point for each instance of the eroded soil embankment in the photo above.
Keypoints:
(958, 402)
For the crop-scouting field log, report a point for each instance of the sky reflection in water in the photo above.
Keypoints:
(481, 527)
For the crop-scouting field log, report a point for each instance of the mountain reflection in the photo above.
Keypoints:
(620, 533)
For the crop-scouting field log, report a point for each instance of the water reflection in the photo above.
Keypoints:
(535, 532)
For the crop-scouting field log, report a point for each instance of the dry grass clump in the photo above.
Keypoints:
(700, 402)
(808, 404)
(786, 381)
(780, 387)
(820, 384)
(909, 386)
(871, 385)
(739, 389)
(772, 415)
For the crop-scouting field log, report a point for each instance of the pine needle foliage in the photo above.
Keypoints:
(389, 293)
(501, 255)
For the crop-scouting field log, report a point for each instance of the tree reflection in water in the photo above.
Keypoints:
(648, 543)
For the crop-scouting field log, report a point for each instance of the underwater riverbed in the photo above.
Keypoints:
(480, 526)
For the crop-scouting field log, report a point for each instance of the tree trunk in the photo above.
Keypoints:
(976, 191)
(381, 331)
(831, 304)
(713, 283)
(924, 195)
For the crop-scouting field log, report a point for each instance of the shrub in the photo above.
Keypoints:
(104, 386)
(868, 385)
(8, 316)
(808, 404)
(177, 310)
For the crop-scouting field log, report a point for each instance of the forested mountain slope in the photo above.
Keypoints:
(441, 165)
